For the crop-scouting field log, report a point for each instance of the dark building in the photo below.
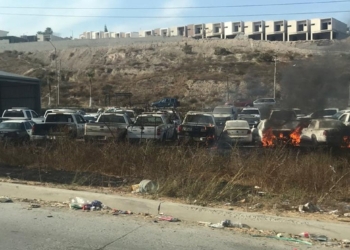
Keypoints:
(22, 39)
(19, 91)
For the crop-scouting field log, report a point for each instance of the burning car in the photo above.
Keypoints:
(282, 127)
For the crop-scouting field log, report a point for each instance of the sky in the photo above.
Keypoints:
(24, 21)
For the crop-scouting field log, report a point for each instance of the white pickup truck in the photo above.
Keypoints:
(155, 126)
(109, 126)
(57, 125)
(20, 114)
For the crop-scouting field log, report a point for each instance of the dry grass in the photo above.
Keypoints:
(195, 173)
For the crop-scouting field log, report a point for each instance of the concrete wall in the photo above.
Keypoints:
(339, 26)
(249, 27)
(229, 28)
(294, 24)
(214, 29)
(271, 26)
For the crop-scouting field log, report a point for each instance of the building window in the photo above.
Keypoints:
(256, 28)
(300, 27)
(198, 31)
(324, 26)
(217, 29)
(235, 29)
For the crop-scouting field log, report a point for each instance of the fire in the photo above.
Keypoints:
(295, 136)
(268, 138)
(346, 140)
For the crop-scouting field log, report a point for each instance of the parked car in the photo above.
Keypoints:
(298, 113)
(90, 118)
(237, 131)
(16, 130)
(20, 114)
(345, 118)
(243, 103)
(129, 112)
(251, 115)
(325, 131)
(337, 115)
(264, 102)
(198, 127)
(323, 113)
(224, 113)
(108, 127)
(166, 103)
(155, 127)
(57, 125)
(277, 128)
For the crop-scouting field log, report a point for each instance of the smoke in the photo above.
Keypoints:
(315, 84)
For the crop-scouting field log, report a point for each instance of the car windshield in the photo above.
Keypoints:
(10, 125)
(148, 121)
(250, 112)
(330, 112)
(227, 110)
(13, 113)
(237, 124)
(331, 124)
(112, 118)
(205, 119)
(338, 114)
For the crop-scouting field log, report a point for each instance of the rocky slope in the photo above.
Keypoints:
(197, 72)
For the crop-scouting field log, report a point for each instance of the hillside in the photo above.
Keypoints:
(198, 72)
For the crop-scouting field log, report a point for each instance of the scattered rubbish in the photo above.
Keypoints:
(257, 187)
(242, 201)
(334, 212)
(279, 235)
(84, 204)
(204, 223)
(4, 199)
(345, 243)
(315, 237)
(168, 218)
(117, 212)
(34, 205)
(284, 239)
(78, 202)
(347, 214)
(145, 186)
(87, 207)
(304, 235)
(104, 207)
(49, 216)
(97, 204)
(309, 207)
(257, 206)
(227, 223)
(228, 204)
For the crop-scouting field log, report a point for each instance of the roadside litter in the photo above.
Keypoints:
(225, 223)
(117, 212)
(85, 205)
(285, 239)
(4, 199)
(168, 218)
(315, 237)
(34, 206)
(309, 207)
(145, 186)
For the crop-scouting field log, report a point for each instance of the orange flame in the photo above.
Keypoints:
(268, 138)
(295, 136)
(346, 140)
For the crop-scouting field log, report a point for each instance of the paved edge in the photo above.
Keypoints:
(183, 212)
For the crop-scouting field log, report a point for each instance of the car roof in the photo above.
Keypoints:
(250, 109)
(198, 113)
(15, 121)
(62, 113)
(225, 106)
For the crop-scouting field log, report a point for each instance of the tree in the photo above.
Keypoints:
(90, 74)
(48, 31)
(106, 30)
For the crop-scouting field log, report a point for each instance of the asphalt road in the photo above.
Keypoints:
(64, 229)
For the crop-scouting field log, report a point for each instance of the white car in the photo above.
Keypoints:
(323, 131)
(237, 131)
(345, 118)
(264, 102)
(251, 115)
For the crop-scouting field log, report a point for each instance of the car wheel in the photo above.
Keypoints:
(314, 141)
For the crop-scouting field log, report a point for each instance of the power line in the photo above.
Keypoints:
(165, 17)
(171, 8)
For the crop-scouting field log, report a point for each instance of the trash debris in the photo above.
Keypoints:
(285, 239)
(228, 223)
(4, 199)
(168, 218)
(345, 243)
(97, 204)
(49, 216)
(279, 235)
(117, 212)
(309, 207)
(336, 212)
(204, 223)
(304, 235)
(347, 214)
(34, 205)
(145, 186)
(257, 206)
(78, 202)
(315, 237)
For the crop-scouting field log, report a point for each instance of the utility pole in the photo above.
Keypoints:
(227, 89)
(274, 78)
(58, 74)
(90, 100)
(48, 82)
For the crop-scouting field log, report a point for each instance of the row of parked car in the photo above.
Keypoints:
(225, 124)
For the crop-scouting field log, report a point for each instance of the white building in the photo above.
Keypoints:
(120, 35)
(164, 32)
(276, 30)
(298, 30)
(178, 31)
(327, 28)
(232, 29)
(198, 31)
(3, 33)
(255, 30)
(146, 33)
(214, 30)
(131, 34)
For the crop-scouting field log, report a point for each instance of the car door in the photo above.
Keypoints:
(28, 127)
(80, 125)
(169, 125)
(28, 114)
